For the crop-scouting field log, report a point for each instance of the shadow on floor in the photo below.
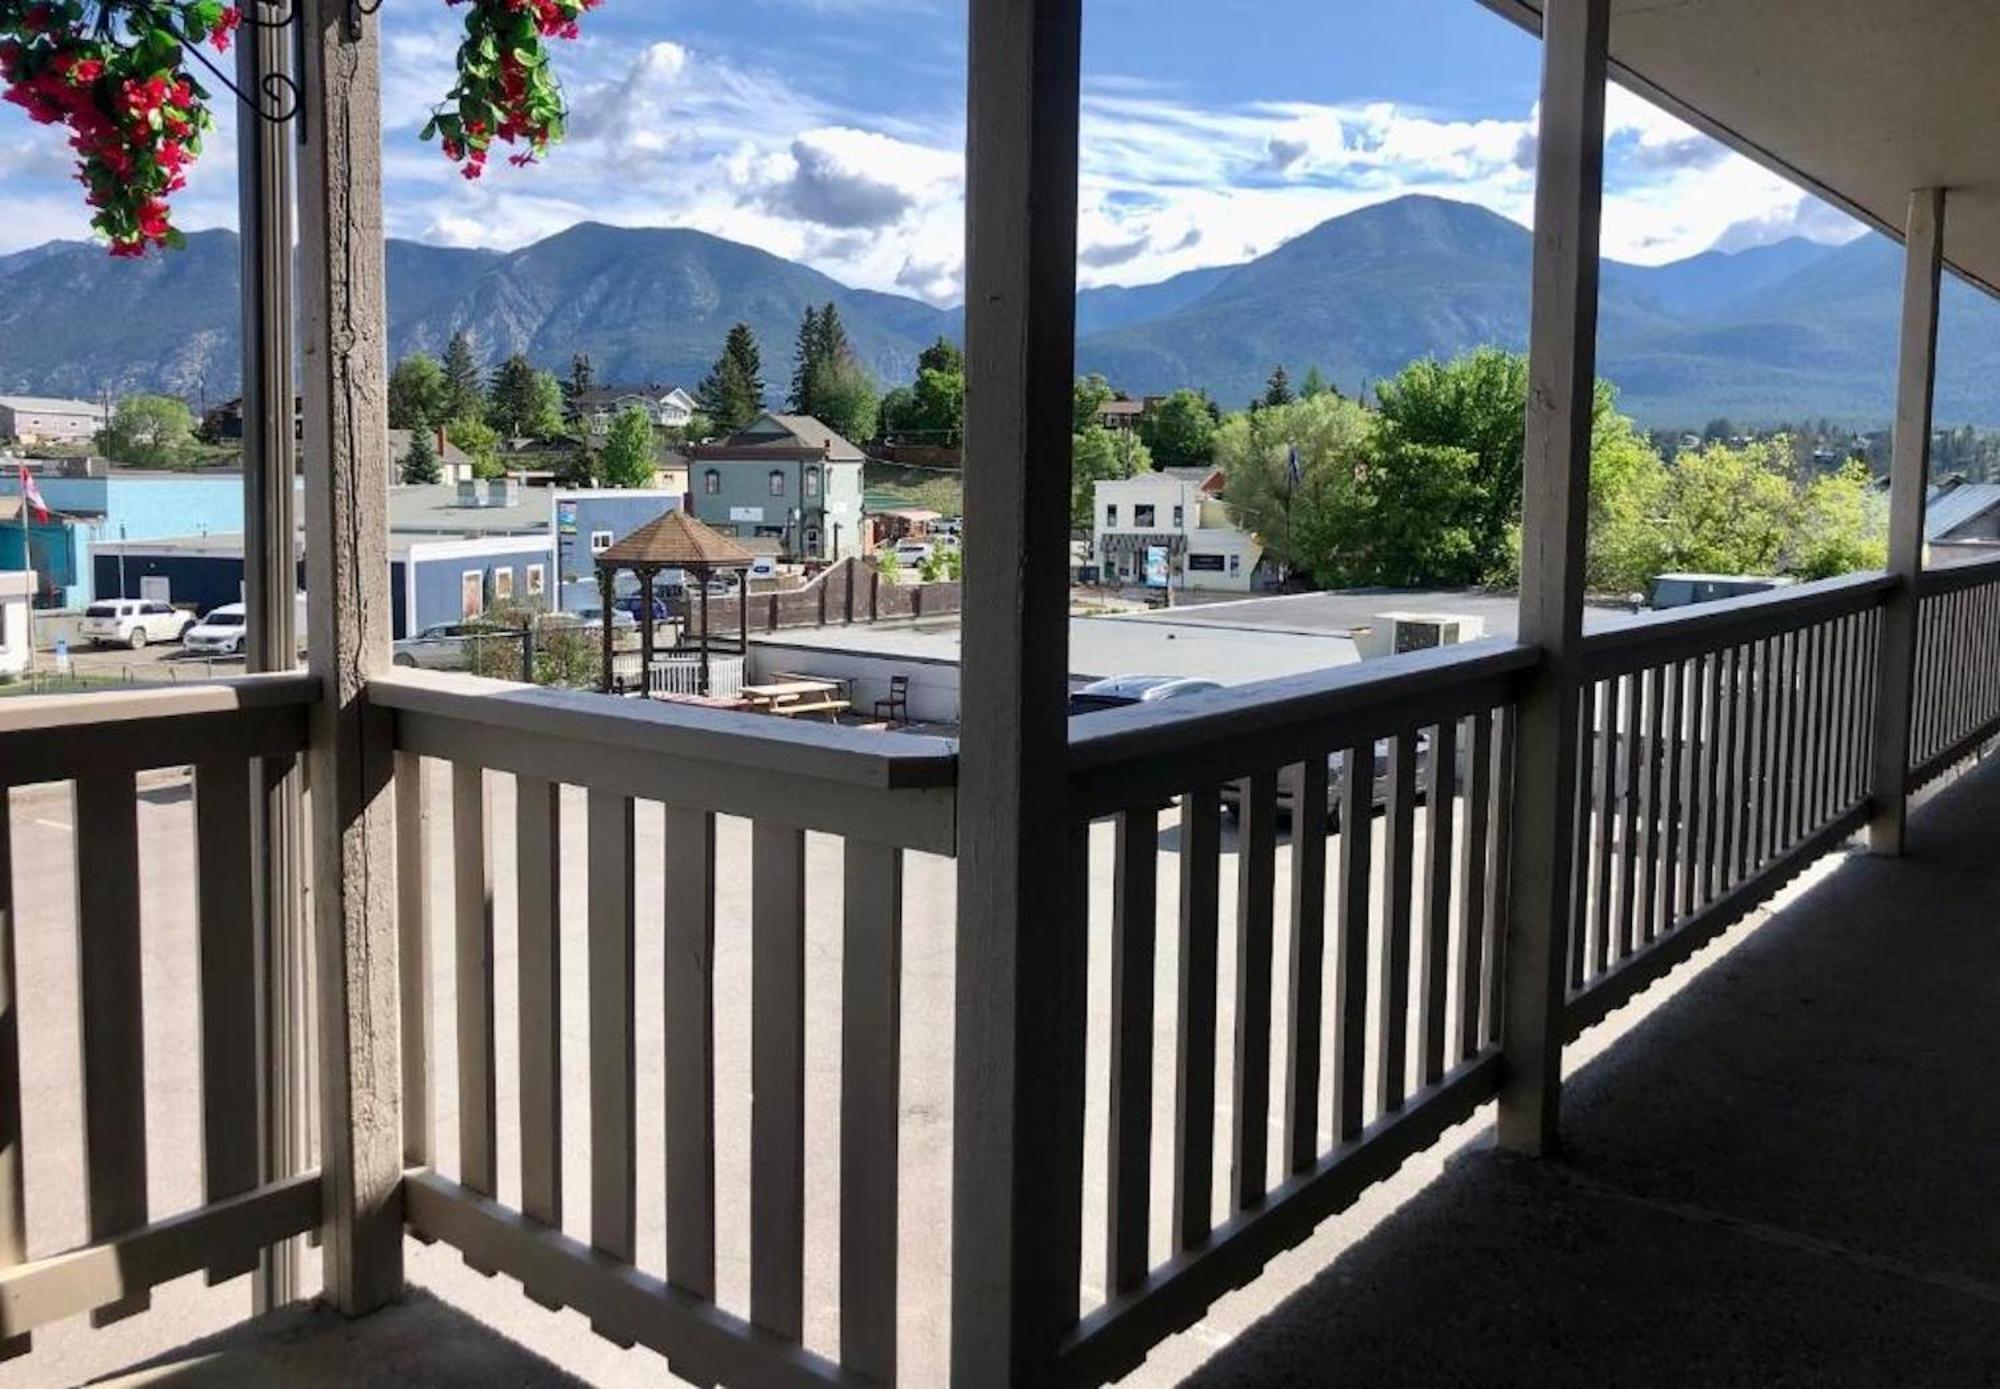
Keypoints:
(1789, 1175)
(419, 1343)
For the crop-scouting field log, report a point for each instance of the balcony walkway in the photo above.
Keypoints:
(1784, 1174)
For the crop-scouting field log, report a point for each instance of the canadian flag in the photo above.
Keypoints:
(33, 495)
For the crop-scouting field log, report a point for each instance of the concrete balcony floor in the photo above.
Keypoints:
(1783, 1171)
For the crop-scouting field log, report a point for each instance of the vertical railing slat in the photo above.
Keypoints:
(13, 1193)
(110, 1001)
(1392, 1045)
(1256, 861)
(231, 1144)
(1307, 970)
(1352, 939)
(870, 1064)
(1589, 712)
(1610, 758)
(538, 879)
(1670, 800)
(1499, 866)
(1632, 837)
(608, 824)
(1473, 867)
(413, 944)
(1434, 963)
(472, 914)
(778, 1079)
(1715, 759)
(689, 993)
(1194, 1079)
(1128, 1164)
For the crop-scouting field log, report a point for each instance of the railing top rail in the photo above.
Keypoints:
(1954, 578)
(753, 742)
(52, 712)
(1129, 754)
(1654, 638)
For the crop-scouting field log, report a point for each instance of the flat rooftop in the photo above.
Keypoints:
(1235, 642)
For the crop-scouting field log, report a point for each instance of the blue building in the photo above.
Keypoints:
(454, 552)
(588, 522)
(93, 504)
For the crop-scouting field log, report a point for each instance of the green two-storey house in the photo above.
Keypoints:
(783, 479)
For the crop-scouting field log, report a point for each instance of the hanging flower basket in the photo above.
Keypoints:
(120, 76)
(507, 89)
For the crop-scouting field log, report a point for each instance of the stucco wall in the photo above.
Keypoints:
(578, 514)
(744, 505)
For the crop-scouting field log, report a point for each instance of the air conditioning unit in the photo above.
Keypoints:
(1391, 634)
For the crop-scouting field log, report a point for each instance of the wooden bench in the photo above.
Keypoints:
(832, 708)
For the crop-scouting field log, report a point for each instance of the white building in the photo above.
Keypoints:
(668, 407)
(1175, 516)
(16, 591)
(34, 419)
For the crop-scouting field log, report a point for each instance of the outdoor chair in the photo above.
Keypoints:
(896, 707)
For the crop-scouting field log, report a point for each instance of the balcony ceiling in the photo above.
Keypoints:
(1858, 100)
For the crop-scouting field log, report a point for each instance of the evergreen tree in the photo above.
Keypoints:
(519, 404)
(832, 345)
(844, 398)
(1315, 385)
(732, 394)
(465, 393)
(420, 464)
(582, 379)
(1278, 390)
(806, 362)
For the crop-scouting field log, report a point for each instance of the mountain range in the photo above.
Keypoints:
(1786, 331)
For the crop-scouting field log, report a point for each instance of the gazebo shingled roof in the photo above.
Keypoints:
(676, 541)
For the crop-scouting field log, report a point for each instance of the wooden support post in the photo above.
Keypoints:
(1909, 480)
(1562, 366)
(1018, 1143)
(344, 357)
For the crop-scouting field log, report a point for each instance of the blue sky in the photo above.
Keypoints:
(831, 131)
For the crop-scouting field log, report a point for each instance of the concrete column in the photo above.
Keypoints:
(1018, 1095)
(1562, 370)
(343, 351)
(1909, 484)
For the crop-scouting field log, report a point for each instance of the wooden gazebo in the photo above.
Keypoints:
(674, 541)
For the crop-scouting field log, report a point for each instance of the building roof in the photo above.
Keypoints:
(1198, 476)
(1877, 99)
(1122, 407)
(399, 448)
(433, 508)
(676, 541)
(1960, 506)
(611, 395)
(798, 431)
(50, 405)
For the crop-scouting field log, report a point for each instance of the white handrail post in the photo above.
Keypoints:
(1562, 371)
(344, 356)
(1018, 1125)
(1909, 482)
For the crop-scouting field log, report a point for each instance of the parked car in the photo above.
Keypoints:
(1336, 782)
(223, 631)
(635, 605)
(911, 552)
(1121, 690)
(133, 622)
(621, 621)
(447, 645)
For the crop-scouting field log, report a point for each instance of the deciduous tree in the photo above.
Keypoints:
(628, 457)
(418, 393)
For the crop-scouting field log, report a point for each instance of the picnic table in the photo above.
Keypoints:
(790, 698)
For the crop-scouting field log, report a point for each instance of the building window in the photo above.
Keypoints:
(537, 584)
(812, 540)
(1142, 517)
(711, 482)
(1180, 517)
(503, 583)
(1236, 564)
(1110, 514)
(600, 541)
(812, 482)
(471, 593)
(777, 483)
